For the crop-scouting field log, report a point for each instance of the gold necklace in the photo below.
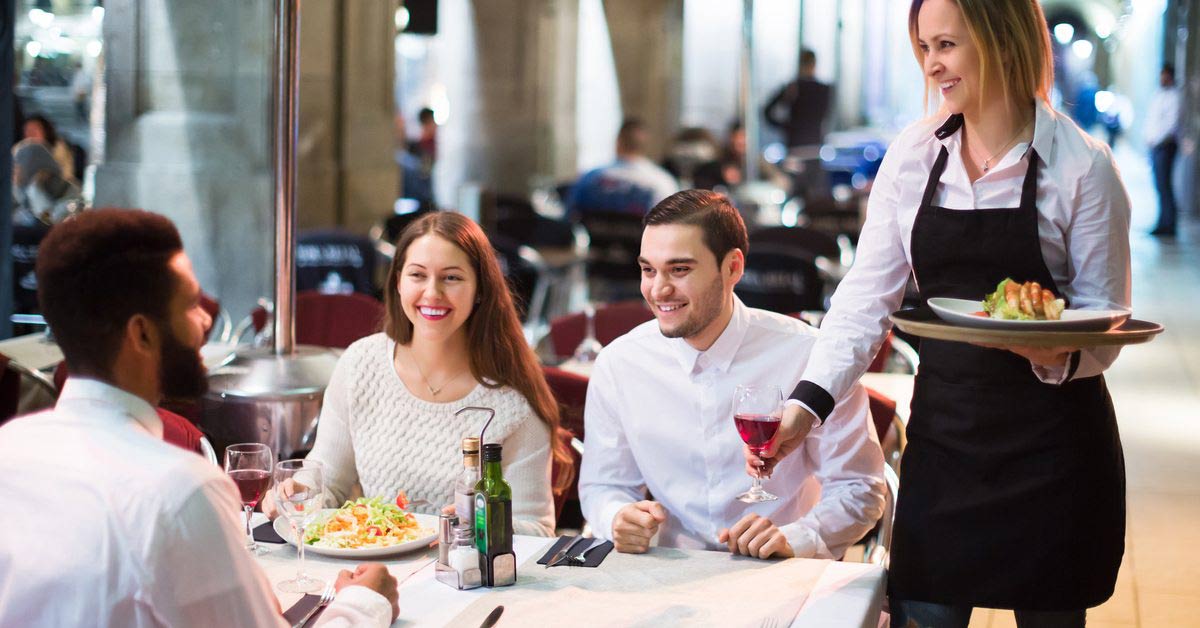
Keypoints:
(433, 391)
(987, 162)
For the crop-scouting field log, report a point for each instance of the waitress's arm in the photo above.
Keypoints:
(857, 322)
(1097, 243)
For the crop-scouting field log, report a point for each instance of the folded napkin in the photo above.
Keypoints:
(594, 558)
(301, 608)
(266, 533)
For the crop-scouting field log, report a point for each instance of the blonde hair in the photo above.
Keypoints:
(1023, 63)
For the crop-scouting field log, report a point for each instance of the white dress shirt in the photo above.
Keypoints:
(1083, 226)
(1162, 116)
(110, 526)
(659, 415)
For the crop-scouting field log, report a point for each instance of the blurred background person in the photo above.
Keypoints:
(40, 192)
(1162, 129)
(800, 109)
(632, 184)
(692, 148)
(38, 128)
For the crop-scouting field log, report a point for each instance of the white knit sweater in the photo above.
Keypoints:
(375, 438)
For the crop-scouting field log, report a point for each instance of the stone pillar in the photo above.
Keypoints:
(647, 43)
(509, 74)
(188, 126)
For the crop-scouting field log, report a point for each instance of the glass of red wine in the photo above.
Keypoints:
(249, 465)
(757, 412)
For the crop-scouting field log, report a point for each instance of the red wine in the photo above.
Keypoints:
(756, 430)
(252, 483)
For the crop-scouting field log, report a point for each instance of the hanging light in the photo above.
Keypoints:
(1082, 49)
(1064, 33)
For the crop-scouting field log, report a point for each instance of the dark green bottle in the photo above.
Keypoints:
(493, 522)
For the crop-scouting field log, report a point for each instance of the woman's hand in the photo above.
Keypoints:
(797, 423)
(1047, 357)
(269, 507)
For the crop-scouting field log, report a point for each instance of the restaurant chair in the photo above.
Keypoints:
(879, 544)
(612, 321)
(336, 320)
(335, 262)
(23, 390)
(616, 241)
(180, 432)
(782, 280)
(570, 391)
(836, 249)
(384, 234)
(221, 328)
(895, 356)
(889, 427)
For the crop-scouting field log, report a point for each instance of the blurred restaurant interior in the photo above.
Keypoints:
(497, 109)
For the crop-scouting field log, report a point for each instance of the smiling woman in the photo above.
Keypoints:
(450, 339)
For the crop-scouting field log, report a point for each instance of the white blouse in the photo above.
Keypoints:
(1083, 225)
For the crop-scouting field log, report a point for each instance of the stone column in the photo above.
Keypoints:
(647, 43)
(188, 126)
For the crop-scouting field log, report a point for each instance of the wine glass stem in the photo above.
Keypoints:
(249, 535)
(300, 547)
(756, 485)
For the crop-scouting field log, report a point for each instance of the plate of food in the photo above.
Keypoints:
(1023, 307)
(364, 528)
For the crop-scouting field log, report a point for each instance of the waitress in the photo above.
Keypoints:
(1012, 484)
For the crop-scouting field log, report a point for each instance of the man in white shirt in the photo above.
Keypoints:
(1162, 129)
(659, 412)
(631, 185)
(112, 526)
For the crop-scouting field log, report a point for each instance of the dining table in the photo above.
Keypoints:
(664, 586)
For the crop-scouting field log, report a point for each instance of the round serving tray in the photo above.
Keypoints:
(924, 323)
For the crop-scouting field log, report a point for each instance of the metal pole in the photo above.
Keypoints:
(287, 88)
(748, 106)
(7, 103)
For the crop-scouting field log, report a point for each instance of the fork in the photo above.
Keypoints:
(770, 622)
(580, 559)
(326, 598)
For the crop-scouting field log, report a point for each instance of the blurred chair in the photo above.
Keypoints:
(616, 240)
(570, 391)
(335, 262)
(527, 276)
(836, 249)
(889, 427)
(612, 321)
(781, 280)
(25, 242)
(879, 544)
(324, 320)
(895, 356)
(180, 432)
(384, 234)
(221, 328)
(23, 390)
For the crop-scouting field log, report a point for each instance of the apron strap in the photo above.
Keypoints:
(935, 175)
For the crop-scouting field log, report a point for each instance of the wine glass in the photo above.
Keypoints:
(249, 466)
(589, 347)
(299, 492)
(757, 412)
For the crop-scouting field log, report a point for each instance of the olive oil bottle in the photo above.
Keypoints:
(493, 522)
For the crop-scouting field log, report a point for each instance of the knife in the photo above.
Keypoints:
(492, 617)
(563, 553)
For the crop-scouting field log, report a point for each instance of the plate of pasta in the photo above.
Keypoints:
(364, 528)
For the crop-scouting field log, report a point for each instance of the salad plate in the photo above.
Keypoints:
(926, 323)
(427, 523)
(968, 313)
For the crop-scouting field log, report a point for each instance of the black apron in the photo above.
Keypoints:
(1012, 491)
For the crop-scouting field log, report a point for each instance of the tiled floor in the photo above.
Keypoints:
(1156, 390)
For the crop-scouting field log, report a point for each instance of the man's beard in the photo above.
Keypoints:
(181, 372)
(706, 311)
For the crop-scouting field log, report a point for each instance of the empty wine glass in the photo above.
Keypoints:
(589, 348)
(299, 489)
(249, 466)
(757, 413)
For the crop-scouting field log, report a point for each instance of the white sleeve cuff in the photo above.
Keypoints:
(357, 606)
(604, 527)
(805, 541)
(1053, 375)
(797, 402)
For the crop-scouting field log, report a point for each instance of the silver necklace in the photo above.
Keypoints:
(433, 391)
(987, 162)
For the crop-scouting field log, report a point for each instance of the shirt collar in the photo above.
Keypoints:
(82, 391)
(720, 355)
(1044, 127)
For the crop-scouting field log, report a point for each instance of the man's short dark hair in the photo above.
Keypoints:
(97, 270)
(632, 136)
(807, 57)
(425, 115)
(719, 222)
(1169, 70)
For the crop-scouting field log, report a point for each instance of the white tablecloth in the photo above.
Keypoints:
(845, 594)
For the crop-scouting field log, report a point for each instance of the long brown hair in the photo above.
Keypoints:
(496, 344)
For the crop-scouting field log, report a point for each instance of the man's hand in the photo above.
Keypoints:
(269, 507)
(1046, 357)
(757, 537)
(375, 577)
(635, 524)
(797, 423)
